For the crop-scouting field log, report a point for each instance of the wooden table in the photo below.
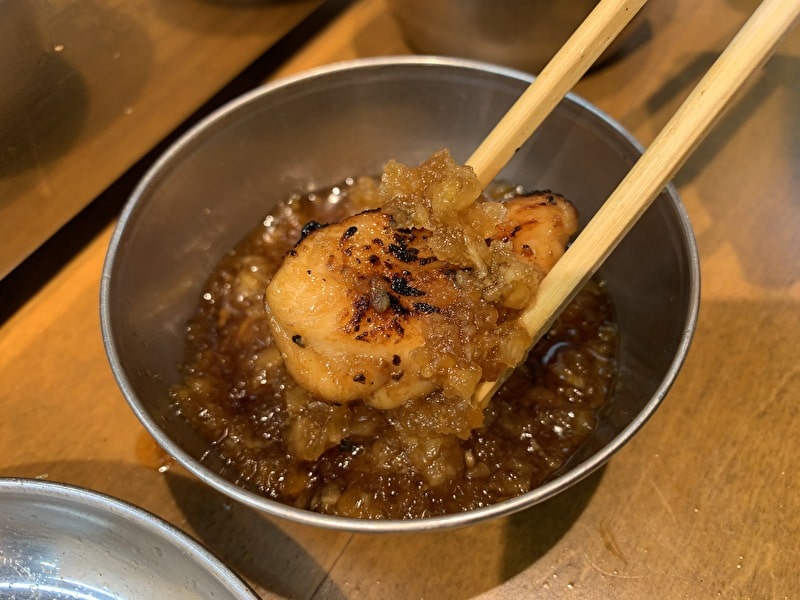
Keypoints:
(88, 88)
(704, 502)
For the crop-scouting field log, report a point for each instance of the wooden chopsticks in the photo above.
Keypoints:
(751, 47)
(558, 77)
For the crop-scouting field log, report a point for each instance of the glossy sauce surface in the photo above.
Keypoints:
(384, 463)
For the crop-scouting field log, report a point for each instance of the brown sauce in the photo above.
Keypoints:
(237, 394)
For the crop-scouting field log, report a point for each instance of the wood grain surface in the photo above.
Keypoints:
(703, 503)
(87, 88)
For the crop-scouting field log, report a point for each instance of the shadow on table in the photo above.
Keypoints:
(250, 543)
(743, 125)
(459, 563)
(532, 533)
(86, 66)
(33, 127)
(294, 560)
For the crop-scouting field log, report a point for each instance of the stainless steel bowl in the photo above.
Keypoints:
(515, 33)
(59, 542)
(315, 130)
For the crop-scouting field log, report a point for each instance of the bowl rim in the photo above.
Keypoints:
(571, 476)
(92, 503)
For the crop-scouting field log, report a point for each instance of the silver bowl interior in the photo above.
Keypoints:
(59, 542)
(315, 130)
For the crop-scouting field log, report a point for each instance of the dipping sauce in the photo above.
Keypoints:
(353, 459)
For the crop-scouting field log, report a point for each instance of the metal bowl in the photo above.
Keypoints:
(59, 542)
(315, 130)
(523, 35)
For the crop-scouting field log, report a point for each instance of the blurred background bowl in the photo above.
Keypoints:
(523, 34)
(315, 130)
(58, 541)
